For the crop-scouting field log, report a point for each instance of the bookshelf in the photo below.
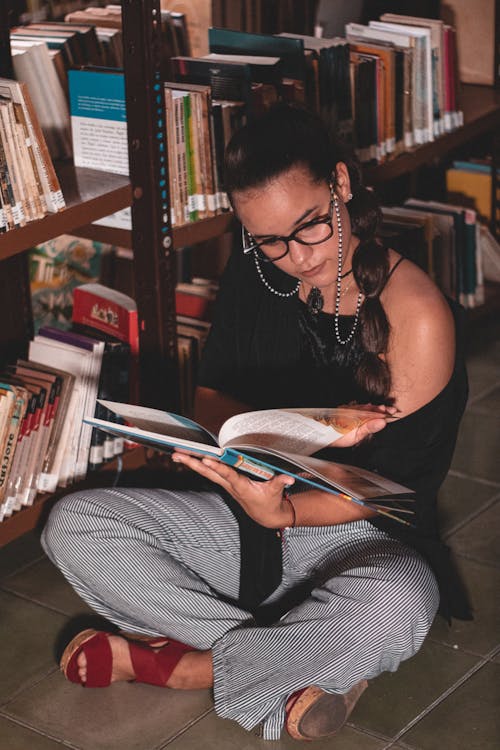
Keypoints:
(481, 108)
(91, 195)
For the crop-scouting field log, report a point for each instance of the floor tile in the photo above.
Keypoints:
(459, 497)
(482, 634)
(212, 733)
(488, 404)
(476, 453)
(395, 698)
(19, 553)
(26, 645)
(483, 373)
(15, 737)
(478, 539)
(468, 718)
(124, 716)
(43, 583)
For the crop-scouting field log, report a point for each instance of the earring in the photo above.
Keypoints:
(349, 197)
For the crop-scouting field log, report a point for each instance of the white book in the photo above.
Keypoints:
(33, 65)
(423, 89)
(83, 364)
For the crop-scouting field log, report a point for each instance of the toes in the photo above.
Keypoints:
(82, 666)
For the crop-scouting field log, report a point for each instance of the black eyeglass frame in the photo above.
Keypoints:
(256, 246)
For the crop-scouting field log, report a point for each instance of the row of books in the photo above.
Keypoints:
(44, 52)
(29, 187)
(385, 87)
(447, 240)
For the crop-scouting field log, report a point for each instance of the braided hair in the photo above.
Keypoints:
(287, 136)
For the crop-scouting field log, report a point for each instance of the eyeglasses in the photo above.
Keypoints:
(275, 247)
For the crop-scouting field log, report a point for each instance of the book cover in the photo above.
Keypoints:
(228, 81)
(289, 49)
(98, 120)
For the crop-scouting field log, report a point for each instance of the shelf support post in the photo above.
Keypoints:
(154, 266)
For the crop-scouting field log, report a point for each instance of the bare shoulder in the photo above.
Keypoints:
(421, 351)
(411, 298)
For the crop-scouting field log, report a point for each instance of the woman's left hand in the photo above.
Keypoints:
(381, 415)
(262, 501)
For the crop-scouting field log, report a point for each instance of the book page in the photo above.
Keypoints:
(160, 422)
(156, 440)
(358, 484)
(301, 431)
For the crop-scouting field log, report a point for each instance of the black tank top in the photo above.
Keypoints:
(415, 451)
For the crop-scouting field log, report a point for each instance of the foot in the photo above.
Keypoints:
(193, 670)
(312, 714)
(122, 669)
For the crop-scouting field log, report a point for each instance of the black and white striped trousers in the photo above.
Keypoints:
(162, 562)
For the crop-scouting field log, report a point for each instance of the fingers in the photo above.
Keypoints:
(382, 408)
(206, 468)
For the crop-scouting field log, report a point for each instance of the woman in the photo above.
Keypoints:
(288, 601)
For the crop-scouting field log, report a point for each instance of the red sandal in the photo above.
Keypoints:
(312, 714)
(153, 660)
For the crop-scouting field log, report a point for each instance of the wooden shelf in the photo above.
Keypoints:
(481, 108)
(89, 195)
(188, 234)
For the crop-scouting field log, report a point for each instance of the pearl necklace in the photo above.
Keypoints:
(316, 298)
(338, 293)
(268, 285)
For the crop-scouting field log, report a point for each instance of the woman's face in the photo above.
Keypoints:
(285, 204)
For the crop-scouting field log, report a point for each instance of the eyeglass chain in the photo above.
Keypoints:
(317, 305)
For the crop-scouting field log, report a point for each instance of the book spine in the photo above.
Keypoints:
(191, 179)
(175, 210)
(31, 203)
(41, 203)
(52, 189)
(15, 188)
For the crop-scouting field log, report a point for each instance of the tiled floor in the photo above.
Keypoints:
(445, 697)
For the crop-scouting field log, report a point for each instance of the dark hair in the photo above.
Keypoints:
(287, 136)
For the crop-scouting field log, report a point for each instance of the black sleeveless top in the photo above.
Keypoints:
(270, 351)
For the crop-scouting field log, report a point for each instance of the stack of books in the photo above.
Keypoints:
(29, 187)
(447, 240)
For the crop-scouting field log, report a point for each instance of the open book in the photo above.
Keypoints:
(269, 442)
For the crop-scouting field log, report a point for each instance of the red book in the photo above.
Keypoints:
(107, 310)
(195, 299)
(194, 305)
(115, 314)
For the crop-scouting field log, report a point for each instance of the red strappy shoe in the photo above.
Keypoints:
(153, 660)
(312, 714)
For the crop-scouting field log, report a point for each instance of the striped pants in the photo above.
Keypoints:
(352, 602)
